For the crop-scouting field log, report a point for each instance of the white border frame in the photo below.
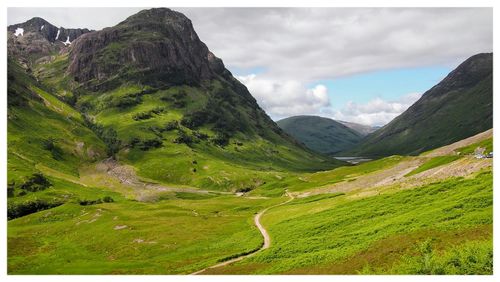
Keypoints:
(227, 3)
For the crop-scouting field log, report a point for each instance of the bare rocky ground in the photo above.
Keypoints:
(373, 183)
(449, 149)
(143, 189)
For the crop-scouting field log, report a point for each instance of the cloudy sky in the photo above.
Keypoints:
(354, 64)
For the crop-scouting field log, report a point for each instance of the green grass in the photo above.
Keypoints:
(471, 258)
(257, 155)
(317, 234)
(487, 144)
(180, 235)
(40, 118)
(305, 181)
(432, 163)
(180, 232)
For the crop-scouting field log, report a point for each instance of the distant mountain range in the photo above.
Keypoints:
(460, 106)
(360, 128)
(325, 135)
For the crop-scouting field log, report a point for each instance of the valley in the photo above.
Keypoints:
(133, 150)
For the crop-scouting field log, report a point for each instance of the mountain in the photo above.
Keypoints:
(37, 37)
(459, 106)
(146, 94)
(321, 134)
(360, 128)
(157, 47)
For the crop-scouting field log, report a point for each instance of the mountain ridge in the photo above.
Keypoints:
(321, 134)
(459, 106)
(36, 38)
(203, 116)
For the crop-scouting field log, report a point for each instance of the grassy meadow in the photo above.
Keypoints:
(69, 214)
(380, 234)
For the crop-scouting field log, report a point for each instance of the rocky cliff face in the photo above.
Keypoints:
(37, 37)
(155, 47)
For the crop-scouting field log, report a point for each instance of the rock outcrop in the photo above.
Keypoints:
(37, 37)
(156, 47)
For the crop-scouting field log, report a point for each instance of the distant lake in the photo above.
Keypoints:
(353, 160)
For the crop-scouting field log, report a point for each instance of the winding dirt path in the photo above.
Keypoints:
(263, 231)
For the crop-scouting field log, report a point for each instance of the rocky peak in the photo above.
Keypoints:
(49, 31)
(37, 38)
(156, 47)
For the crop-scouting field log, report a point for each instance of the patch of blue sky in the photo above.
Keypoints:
(389, 85)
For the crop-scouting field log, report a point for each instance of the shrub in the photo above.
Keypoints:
(473, 257)
(151, 143)
(158, 110)
(180, 104)
(220, 139)
(171, 125)
(134, 141)
(89, 202)
(244, 190)
(183, 138)
(195, 119)
(107, 199)
(107, 135)
(148, 114)
(50, 145)
(142, 116)
(200, 135)
(178, 99)
(156, 130)
(127, 101)
(36, 182)
(29, 207)
(146, 144)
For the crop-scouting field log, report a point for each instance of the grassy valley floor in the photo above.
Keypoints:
(398, 215)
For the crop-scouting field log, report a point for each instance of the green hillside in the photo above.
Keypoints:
(442, 227)
(321, 134)
(134, 151)
(202, 131)
(411, 225)
(458, 107)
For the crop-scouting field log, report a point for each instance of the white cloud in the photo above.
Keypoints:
(376, 112)
(309, 44)
(300, 46)
(284, 98)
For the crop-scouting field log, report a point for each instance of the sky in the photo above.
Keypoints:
(364, 65)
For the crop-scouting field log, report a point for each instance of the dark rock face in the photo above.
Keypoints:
(156, 46)
(47, 30)
(39, 38)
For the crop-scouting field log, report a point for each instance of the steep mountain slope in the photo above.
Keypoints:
(43, 132)
(157, 98)
(360, 128)
(460, 106)
(321, 134)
